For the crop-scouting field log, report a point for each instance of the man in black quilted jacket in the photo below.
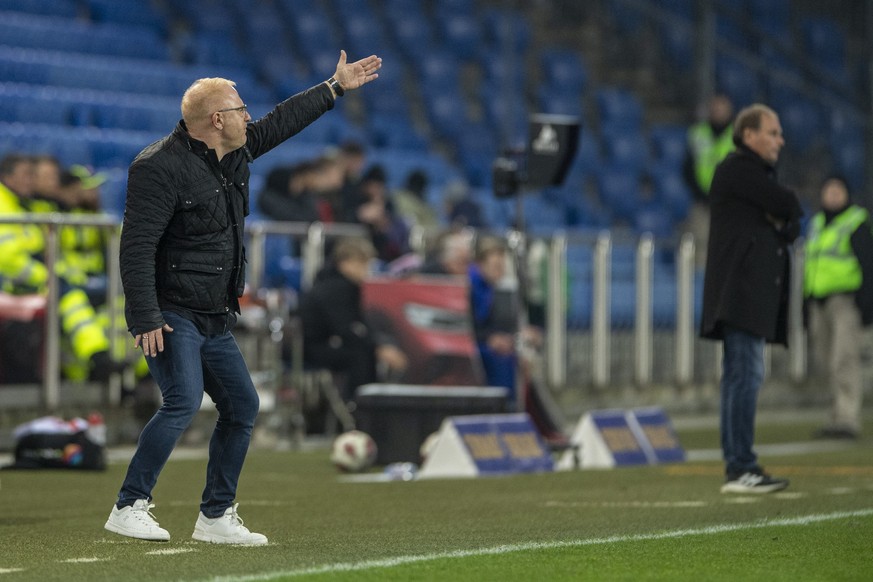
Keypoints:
(182, 268)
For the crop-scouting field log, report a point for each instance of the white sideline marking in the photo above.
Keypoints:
(625, 504)
(170, 551)
(10, 570)
(508, 549)
(84, 560)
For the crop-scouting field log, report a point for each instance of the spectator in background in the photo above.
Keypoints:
(709, 142)
(389, 233)
(839, 290)
(494, 325)
(88, 243)
(335, 334)
(745, 292)
(461, 210)
(411, 203)
(453, 255)
(352, 159)
(326, 180)
(288, 195)
(23, 269)
(47, 194)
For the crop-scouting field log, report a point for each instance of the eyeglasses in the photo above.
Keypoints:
(242, 109)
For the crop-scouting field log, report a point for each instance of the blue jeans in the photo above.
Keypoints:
(743, 373)
(190, 364)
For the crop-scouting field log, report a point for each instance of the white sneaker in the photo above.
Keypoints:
(227, 529)
(136, 521)
(753, 482)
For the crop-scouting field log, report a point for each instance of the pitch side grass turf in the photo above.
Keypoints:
(650, 523)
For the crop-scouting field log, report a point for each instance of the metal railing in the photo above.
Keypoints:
(602, 333)
(51, 386)
(314, 238)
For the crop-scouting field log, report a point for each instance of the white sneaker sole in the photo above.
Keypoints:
(201, 536)
(156, 537)
(737, 488)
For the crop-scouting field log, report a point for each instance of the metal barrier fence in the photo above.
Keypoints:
(584, 353)
(314, 238)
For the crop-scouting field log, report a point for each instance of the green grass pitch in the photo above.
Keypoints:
(650, 523)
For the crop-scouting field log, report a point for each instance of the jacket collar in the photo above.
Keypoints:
(193, 144)
(743, 149)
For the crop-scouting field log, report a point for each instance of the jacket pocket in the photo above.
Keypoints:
(204, 209)
(197, 280)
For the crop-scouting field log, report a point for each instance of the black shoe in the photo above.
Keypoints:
(102, 366)
(836, 432)
(753, 481)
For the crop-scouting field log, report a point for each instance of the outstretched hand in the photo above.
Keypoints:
(353, 75)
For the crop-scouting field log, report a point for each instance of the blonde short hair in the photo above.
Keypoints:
(200, 98)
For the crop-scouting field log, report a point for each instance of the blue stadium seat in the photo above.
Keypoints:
(364, 35)
(507, 28)
(126, 12)
(392, 131)
(440, 71)
(446, 112)
(664, 303)
(772, 16)
(737, 81)
(669, 143)
(507, 114)
(564, 69)
(413, 33)
(654, 219)
(680, 8)
(541, 215)
(559, 101)
(619, 108)
(623, 304)
(312, 32)
(62, 8)
(460, 33)
(626, 18)
(619, 191)
(625, 149)
(671, 190)
(824, 41)
(677, 43)
(580, 301)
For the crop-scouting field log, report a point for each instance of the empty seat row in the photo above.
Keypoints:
(76, 36)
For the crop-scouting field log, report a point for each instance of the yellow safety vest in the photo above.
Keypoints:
(831, 265)
(708, 151)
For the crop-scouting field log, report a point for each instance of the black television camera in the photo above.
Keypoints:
(551, 147)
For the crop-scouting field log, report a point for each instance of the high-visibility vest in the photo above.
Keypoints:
(708, 151)
(18, 245)
(831, 265)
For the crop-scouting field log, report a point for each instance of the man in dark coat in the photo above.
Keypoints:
(182, 268)
(745, 294)
(336, 335)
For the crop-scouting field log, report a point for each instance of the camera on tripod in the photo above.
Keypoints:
(551, 147)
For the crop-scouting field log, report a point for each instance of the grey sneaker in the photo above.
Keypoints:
(136, 521)
(226, 529)
(753, 482)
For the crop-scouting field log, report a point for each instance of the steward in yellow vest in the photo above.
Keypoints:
(709, 142)
(22, 270)
(838, 284)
